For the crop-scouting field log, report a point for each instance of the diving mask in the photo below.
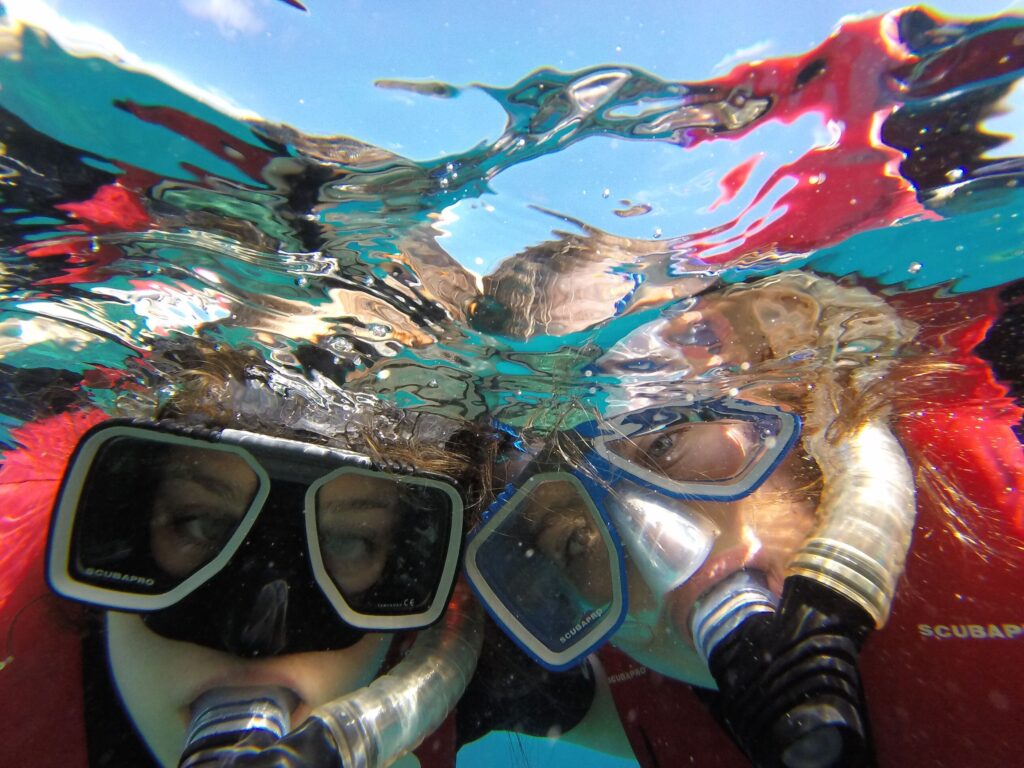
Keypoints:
(548, 559)
(183, 524)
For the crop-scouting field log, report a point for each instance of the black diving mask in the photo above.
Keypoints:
(253, 544)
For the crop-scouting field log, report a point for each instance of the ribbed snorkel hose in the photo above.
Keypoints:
(375, 725)
(865, 520)
(789, 684)
(396, 712)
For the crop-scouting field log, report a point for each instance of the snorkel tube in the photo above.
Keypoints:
(369, 728)
(789, 683)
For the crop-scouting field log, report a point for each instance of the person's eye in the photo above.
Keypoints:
(665, 451)
(661, 446)
(350, 548)
(201, 526)
(184, 535)
(579, 542)
(568, 538)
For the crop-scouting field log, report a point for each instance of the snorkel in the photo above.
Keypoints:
(790, 689)
(370, 728)
(789, 684)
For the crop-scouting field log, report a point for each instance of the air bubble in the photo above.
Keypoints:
(915, 267)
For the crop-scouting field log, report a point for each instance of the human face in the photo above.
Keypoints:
(202, 496)
(159, 679)
(760, 532)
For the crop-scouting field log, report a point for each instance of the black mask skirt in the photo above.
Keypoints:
(265, 602)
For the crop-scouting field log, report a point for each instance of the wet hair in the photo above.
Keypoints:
(221, 387)
(820, 348)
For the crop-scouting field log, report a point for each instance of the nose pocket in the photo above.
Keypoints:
(259, 625)
(666, 539)
(266, 601)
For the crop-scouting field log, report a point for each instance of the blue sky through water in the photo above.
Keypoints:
(317, 71)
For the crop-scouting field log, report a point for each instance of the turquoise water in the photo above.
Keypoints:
(239, 232)
(139, 216)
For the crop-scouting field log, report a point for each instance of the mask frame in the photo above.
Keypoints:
(285, 458)
(626, 528)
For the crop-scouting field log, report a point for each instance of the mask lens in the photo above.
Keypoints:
(547, 567)
(384, 542)
(152, 513)
(719, 451)
(694, 452)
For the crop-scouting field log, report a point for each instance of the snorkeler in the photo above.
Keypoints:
(251, 569)
(738, 519)
(276, 583)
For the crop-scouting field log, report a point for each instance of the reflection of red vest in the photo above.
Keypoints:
(41, 720)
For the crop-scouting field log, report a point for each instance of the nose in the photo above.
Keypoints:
(258, 620)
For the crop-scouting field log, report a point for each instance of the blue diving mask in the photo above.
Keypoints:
(548, 558)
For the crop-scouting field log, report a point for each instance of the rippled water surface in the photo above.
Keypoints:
(511, 276)
(135, 214)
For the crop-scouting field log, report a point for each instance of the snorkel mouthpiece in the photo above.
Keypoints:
(230, 721)
(722, 609)
(370, 728)
(789, 687)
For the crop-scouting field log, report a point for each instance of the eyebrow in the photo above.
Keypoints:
(359, 504)
(209, 482)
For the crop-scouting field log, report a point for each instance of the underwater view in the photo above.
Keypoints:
(559, 383)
